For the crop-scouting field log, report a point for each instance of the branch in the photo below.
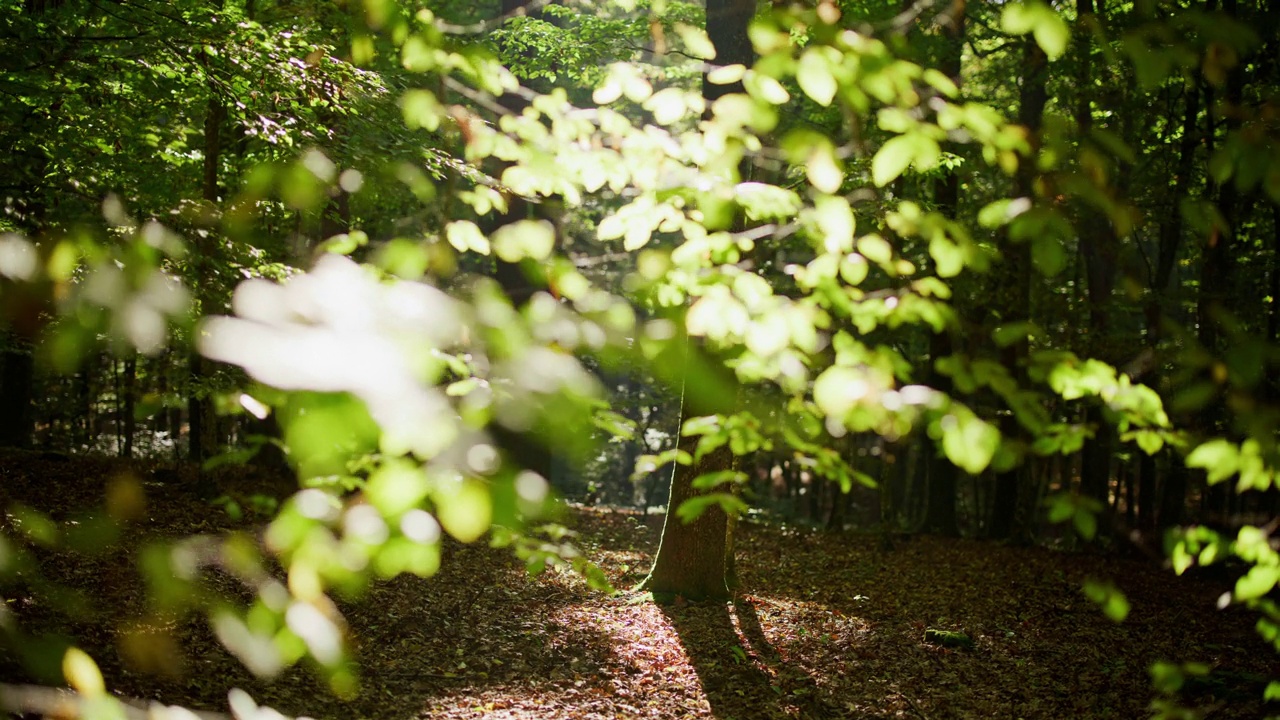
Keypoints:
(483, 26)
(60, 702)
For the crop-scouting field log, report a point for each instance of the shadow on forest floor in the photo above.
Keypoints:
(741, 674)
(830, 626)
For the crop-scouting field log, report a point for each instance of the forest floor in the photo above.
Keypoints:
(827, 625)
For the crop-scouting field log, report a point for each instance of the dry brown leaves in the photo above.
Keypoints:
(827, 626)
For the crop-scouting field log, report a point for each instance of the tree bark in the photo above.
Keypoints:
(1170, 239)
(128, 388)
(1007, 522)
(693, 559)
(202, 435)
(17, 375)
(696, 560)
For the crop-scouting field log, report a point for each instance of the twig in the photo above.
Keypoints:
(914, 708)
(482, 26)
(59, 702)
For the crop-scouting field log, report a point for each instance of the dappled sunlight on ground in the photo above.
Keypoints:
(826, 626)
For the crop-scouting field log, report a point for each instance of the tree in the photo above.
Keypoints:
(695, 555)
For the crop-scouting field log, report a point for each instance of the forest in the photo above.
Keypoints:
(639, 359)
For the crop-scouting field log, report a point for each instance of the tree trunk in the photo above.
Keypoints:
(1170, 239)
(1098, 246)
(1006, 520)
(16, 379)
(693, 559)
(202, 435)
(128, 388)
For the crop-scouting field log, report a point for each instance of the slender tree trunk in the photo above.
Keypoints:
(1216, 267)
(1170, 240)
(1006, 520)
(202, 422)
(1098, 246)
(129, 423)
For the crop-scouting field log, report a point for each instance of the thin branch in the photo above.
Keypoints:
(59, 702)
(905, 19)
(914, 708)
(484, 26)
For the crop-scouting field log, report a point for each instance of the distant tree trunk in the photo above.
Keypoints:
(1170, 239)
(128, 423)
(1216, 266)
(17, 376)
(1098, 246)
(1006, 520)
(201, 419)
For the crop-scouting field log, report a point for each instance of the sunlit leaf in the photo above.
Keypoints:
(1257, 582)
(814, 75)
(1219, 458)
(891, 160)
(532, 239)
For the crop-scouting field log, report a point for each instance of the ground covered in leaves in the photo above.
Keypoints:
(826, 625)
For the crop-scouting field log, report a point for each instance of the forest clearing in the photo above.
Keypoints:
(724, 359)
(825, 625)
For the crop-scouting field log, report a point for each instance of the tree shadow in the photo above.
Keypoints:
(742, 675)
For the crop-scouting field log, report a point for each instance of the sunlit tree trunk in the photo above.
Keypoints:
(695, 560)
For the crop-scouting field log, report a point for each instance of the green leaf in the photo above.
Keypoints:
(727, 74)
(1114, 604)
(1257, 582)
(707, 481)
(464, 509)
(948, 638)
(1219, 458)
(968, 442)
(876, 249)
(693, 508)
(1272, 693)
(1036, 17)
(1167, 677)
(1061, 507)
(1149, 441)
(667, 105)
(696, 41)
(421, 110)
(948, 257)
(823, 168)
(465, 235)
(1048, 255)
(532, 239)
(892, 160)
(814, 75)
(766, 88)
(1052, 35)
(1086, 524)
